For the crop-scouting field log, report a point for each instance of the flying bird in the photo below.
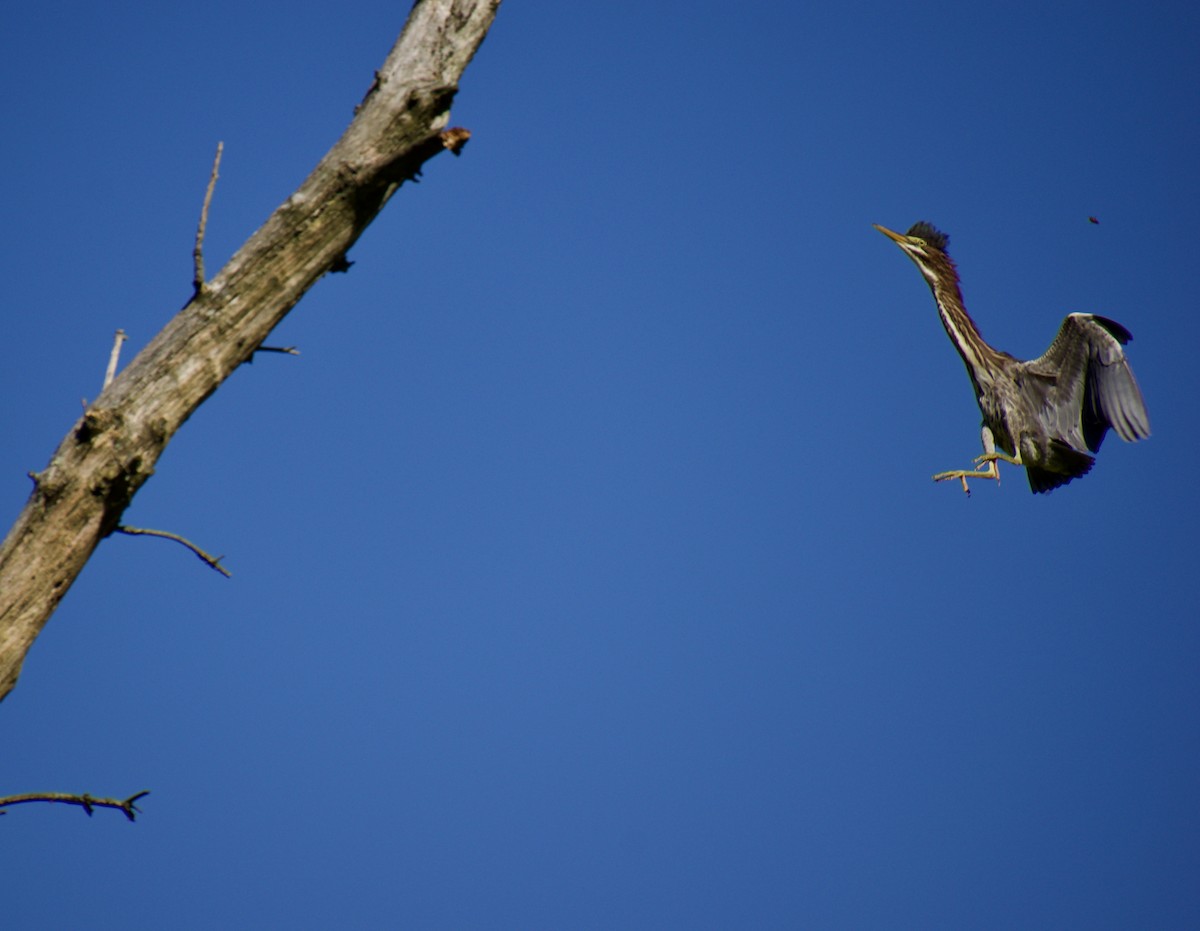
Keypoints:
(1048, 414)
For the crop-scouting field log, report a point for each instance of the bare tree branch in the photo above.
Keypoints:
(78, 499)
(87, 802)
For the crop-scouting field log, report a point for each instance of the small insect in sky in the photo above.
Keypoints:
(1093, 220)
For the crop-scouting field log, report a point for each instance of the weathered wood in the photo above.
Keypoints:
(110, 452)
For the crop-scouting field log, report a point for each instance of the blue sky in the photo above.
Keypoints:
(587, 568)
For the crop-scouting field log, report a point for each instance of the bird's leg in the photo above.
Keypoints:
(990, 455)
(995, 455)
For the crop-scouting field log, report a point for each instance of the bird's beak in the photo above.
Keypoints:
(894, 237)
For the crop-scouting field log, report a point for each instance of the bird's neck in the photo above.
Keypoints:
(980, 358)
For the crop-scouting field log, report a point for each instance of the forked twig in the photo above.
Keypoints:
(87, 802)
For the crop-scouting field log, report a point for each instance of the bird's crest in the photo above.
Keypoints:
(931, 234)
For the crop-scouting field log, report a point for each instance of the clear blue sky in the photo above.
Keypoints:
(587, 568)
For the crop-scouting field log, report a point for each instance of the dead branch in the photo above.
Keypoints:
(93, 475)
(87, 802)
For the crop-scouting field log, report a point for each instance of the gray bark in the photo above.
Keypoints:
(112, 450)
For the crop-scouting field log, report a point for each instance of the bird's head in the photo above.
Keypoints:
(926, 245)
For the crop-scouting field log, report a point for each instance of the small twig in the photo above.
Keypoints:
(290, 350)
(213, 561)
(111, 372)
(87, 802)
(198, 252)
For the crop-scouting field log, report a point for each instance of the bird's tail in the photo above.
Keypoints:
(1060, 464)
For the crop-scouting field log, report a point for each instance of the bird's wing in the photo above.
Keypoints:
(1093, 385)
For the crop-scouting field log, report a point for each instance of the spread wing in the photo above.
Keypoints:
(1088, 385)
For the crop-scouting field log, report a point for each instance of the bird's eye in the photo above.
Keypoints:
(917, 241)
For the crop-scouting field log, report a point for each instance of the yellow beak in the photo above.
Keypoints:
(895, 237)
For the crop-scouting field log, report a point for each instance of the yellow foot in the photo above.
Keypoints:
(960, 475)
(994, 457)
(963, 474)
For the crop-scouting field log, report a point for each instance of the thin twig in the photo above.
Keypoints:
(87, 802)
(111, 372)
(198, 252)
(213, 561)
(288, 350)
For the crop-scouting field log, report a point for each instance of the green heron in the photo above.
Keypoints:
(1048, 414)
